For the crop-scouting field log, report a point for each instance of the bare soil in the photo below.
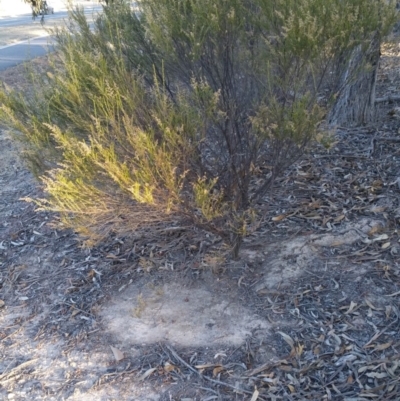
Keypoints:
(310, 312)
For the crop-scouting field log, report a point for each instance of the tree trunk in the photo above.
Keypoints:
(355, 103)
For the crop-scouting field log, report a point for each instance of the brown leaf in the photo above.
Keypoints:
(279, 218)
(111, 256)
(339, 218)
(217, 370)
(75, 312)
(381, 347)
(169, 367)
(315, 204)
(377, 209)
(2, 303)
(299, 349)
(375, 229)
(317, 350)
(377, 184)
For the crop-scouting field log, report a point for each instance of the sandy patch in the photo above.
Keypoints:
(182, 316)
(291, 258)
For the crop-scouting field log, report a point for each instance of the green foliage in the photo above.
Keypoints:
(170, 111)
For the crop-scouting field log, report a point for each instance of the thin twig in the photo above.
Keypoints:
(14, 371)
(220, 383)
(178, 358)
(388, 99)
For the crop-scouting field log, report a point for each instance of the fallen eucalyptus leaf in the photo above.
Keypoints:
(351, 307)
(380, 237)
(376, 375)
(147, 374)
(381, 347)
(255, 395)
(169, 367)
(278, 218)
(368, 302)
(217, 370)
(287, 339)
(118, 355)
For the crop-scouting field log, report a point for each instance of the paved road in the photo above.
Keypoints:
(15, 53)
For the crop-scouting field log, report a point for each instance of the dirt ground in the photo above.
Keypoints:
(310, 312)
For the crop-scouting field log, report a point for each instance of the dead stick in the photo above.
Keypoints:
(179, 359)
(387, 99)
(14, 371)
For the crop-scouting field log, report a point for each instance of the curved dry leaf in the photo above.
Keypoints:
(345, 358)
(386, 245)
(339, 218)
(255, 395)
(118, 355)
(380, 237)
(147, 374)
(366, 241)
(363, 369)
(368, 302)
(169, 367)
(311, 216)
(351, 307)
(376, 375)
(299, 349)
(287, 339)
(217, 370)
(388, 311)
(381, 347)
(279, 218)
(393, 368)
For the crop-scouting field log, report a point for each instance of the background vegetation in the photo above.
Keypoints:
(187, 108)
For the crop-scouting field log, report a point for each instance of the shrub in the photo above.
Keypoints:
(185, 108)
